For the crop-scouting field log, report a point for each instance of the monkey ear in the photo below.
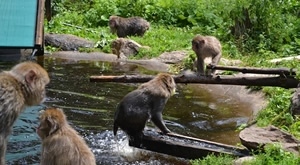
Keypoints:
(52, 125)
(30, 76)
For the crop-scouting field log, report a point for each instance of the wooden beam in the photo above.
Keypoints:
(39, 35)
(279, 71)
(285, 82)
(186, 147)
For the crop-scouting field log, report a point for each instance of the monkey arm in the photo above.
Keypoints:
(158, 121)
(156, 115)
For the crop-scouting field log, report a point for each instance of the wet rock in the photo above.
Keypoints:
(295, 102)
(93, 56)
(172, 57)
(67, 42)
(153, 65)
(124, 47)
(255, 138)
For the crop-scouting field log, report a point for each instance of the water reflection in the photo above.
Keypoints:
(90, 108)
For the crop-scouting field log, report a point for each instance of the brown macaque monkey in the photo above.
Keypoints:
(128, 26)
(24, 85)
(206, 46)
(61, 144)
(146, 102)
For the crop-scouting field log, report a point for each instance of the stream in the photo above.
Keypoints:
(193, 111)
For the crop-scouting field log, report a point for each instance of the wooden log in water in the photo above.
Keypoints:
(186, 147)
(275, 80)
(279, 71)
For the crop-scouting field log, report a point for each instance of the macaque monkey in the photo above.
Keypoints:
(24, 85)
(128, 26)
(206, 46)
(61, 144)
(146, 102)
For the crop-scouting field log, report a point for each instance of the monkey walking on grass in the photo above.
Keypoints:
(133, 26)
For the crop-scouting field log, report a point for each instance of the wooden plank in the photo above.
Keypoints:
(186, 147)
(39, 35)
(279, 71)
(40, 23)
(285, 82)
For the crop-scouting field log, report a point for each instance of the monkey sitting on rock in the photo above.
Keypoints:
(146, 102)
(206, 46)
(128, 26)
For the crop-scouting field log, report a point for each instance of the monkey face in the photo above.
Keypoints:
(113, 23)
(37, 89)
(171, 84)
(51, 120)
(197, 43)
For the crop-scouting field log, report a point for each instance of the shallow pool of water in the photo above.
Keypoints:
(90, 107)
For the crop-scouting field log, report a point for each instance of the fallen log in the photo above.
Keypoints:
(185, 146)
(280, 81)
(280, 71)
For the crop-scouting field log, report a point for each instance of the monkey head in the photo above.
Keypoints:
(162, 85)
(113, 23)
(169, 82)
(34, 79)
(51, 120)
(197, 43)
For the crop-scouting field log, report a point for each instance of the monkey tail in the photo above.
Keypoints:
(115, 129)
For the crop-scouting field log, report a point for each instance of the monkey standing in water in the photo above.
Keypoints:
(146, 102)
(206, 46)
(128, 26)
(61, 144)
(24, 85)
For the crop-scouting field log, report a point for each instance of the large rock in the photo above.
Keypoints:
(172, 57)
(255, 138)
(67, 42)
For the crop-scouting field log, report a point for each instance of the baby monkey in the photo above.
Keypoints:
(61, 144)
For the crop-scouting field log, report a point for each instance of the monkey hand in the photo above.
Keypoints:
(211, 66)
(166, 131)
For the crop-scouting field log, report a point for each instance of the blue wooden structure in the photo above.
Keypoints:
(22, 25)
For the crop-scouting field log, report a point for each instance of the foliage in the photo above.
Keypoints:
(274, 155)
(246, 25)
(214, 160)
